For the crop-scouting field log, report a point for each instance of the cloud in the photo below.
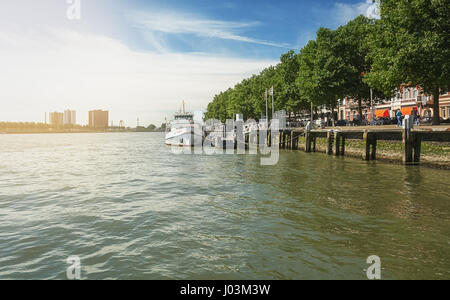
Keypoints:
(343, 12)
(59, 69)
(176, 23)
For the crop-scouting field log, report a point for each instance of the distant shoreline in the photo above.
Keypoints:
(75, 132)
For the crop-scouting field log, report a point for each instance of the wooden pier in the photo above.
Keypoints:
(336, 138)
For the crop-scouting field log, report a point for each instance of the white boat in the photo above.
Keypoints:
(181, 131)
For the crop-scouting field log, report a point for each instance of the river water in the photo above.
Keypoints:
(131, 209)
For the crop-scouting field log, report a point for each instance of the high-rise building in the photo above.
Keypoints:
(98, 118)
(56, 118)
(70, 117)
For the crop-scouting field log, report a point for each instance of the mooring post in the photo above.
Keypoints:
(314, 139)
(340, 143)
(342, 152)
(407, 140)
(337, 141)
(279, 139)
(246, 140)
(374, 146)
(371, 145)
(293, 140)
(417, 140)
(330, 140)
(367, 143)
(308, 137)
(288, 144)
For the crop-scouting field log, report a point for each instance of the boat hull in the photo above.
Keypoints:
(183, 138)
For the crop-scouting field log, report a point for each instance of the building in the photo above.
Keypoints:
(98, 118)
(56, 118)
(406, 100)
(70, 117)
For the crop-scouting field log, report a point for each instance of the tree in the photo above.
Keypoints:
(307, 81)
(288, 97)
(151, 128)
(352, 45)
(410, 45)
(323, 72)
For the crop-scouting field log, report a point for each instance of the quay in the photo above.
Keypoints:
(404, 144)
(411, 139)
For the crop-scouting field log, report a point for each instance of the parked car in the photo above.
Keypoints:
(385, 121)
(429, 120)
(358, 122)
(341, 123)
(426, 120)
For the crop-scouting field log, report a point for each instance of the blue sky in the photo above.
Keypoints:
(256, 28)
(141, 58)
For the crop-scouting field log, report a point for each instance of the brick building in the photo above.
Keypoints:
(406, 99)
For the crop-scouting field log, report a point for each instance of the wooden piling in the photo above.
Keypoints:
(330, 141)
(371, 145)
(314, 141)
(407, 146)
(308, 141)
(417, 145)
(340, 144)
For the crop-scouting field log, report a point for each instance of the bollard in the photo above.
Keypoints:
(407, 140)
(308, 137)
(330, 141)
(371, 145)
(340, 144)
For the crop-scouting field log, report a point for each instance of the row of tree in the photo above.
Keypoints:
(409, 45)
(151, 128)
(35, 126)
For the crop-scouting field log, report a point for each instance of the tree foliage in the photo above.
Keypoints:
(408, 45)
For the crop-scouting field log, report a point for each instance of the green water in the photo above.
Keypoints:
(130, 209)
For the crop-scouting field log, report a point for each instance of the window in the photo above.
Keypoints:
(407, 94)
(415, 93)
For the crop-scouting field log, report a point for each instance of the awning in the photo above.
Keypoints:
(408, 110)
(381, 113)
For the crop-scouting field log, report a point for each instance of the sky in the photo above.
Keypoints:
(140, 59)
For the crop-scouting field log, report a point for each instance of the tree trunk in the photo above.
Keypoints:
(360, 109)
(436, 112)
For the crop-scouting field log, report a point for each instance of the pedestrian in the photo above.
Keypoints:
(415, 116)
(399, 118)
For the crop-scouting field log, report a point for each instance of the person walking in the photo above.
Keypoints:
(415, 116)
(399, 118)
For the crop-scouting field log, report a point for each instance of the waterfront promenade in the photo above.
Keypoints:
(427, 145)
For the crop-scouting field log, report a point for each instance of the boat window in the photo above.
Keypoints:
(184, 117)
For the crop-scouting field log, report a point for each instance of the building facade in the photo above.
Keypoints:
(98, 118)
(70, 117)
(56, 118)
(406, 100)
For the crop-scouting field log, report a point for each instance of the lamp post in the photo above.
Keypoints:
(372, 117)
